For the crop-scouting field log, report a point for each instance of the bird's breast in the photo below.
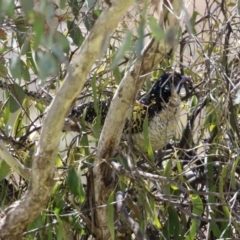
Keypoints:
(161, 128)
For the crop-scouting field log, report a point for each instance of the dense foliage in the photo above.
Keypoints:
(189, 189)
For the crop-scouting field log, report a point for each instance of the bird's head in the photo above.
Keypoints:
(166, 85)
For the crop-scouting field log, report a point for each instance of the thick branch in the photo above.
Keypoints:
(24, 211)
(122, 101)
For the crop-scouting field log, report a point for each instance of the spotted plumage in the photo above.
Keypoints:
(161, 107)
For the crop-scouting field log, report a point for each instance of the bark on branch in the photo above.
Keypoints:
(152, 54)
(21, 213)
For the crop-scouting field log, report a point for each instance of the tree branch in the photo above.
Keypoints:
(129, 220)
(152, 54)
(23, 212)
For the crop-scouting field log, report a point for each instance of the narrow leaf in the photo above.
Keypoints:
(16, 98)
(4, 170)
(75, 33)
(156, 30)
(73, 181)
(15, 67)
(121, 51)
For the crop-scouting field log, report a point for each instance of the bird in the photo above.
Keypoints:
(160, 106)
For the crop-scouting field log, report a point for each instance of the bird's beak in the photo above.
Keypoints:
(180, 84)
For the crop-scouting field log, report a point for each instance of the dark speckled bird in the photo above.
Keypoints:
(161, 107)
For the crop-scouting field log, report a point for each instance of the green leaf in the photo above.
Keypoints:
(117, 75)
(75, 7)
(233, 182)
(85, 144)
(75, 33)
(194, 101)
(211, 198)
(139, 43)
(60, 229)
(168, 167)
(198, 210)
(19, 69)
(46, 63)
(192, 23)
(215, 229)
(121, 51)
(18, 125)
(14, 105)
(4, 170)
(30, 61)
(156, 30)
(15, 67)
(88, 22)
(37, 223)
(148, 203)
(61, 40)
(58, 53)
(56, 188)
(97, 12)
(25, 46)
(157, 222)
(72, 181)
(24, 71)
(16, 98)
(111, 215)
(222, 180)
(27, 6)
(197, 204)
(6, 112)
(174, 224)
(62, 4)
(38, 27)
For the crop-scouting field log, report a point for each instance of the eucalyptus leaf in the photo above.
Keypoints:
(126, 44)
(46, 63)
(4, 170)
(24, 71)
(72, 181)
(74, 4)
(75, 33)
(156, 30)
(16, 98)
(139, 43)
(25, 46)
(88, 22)
(15, 67)
(38, 27)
